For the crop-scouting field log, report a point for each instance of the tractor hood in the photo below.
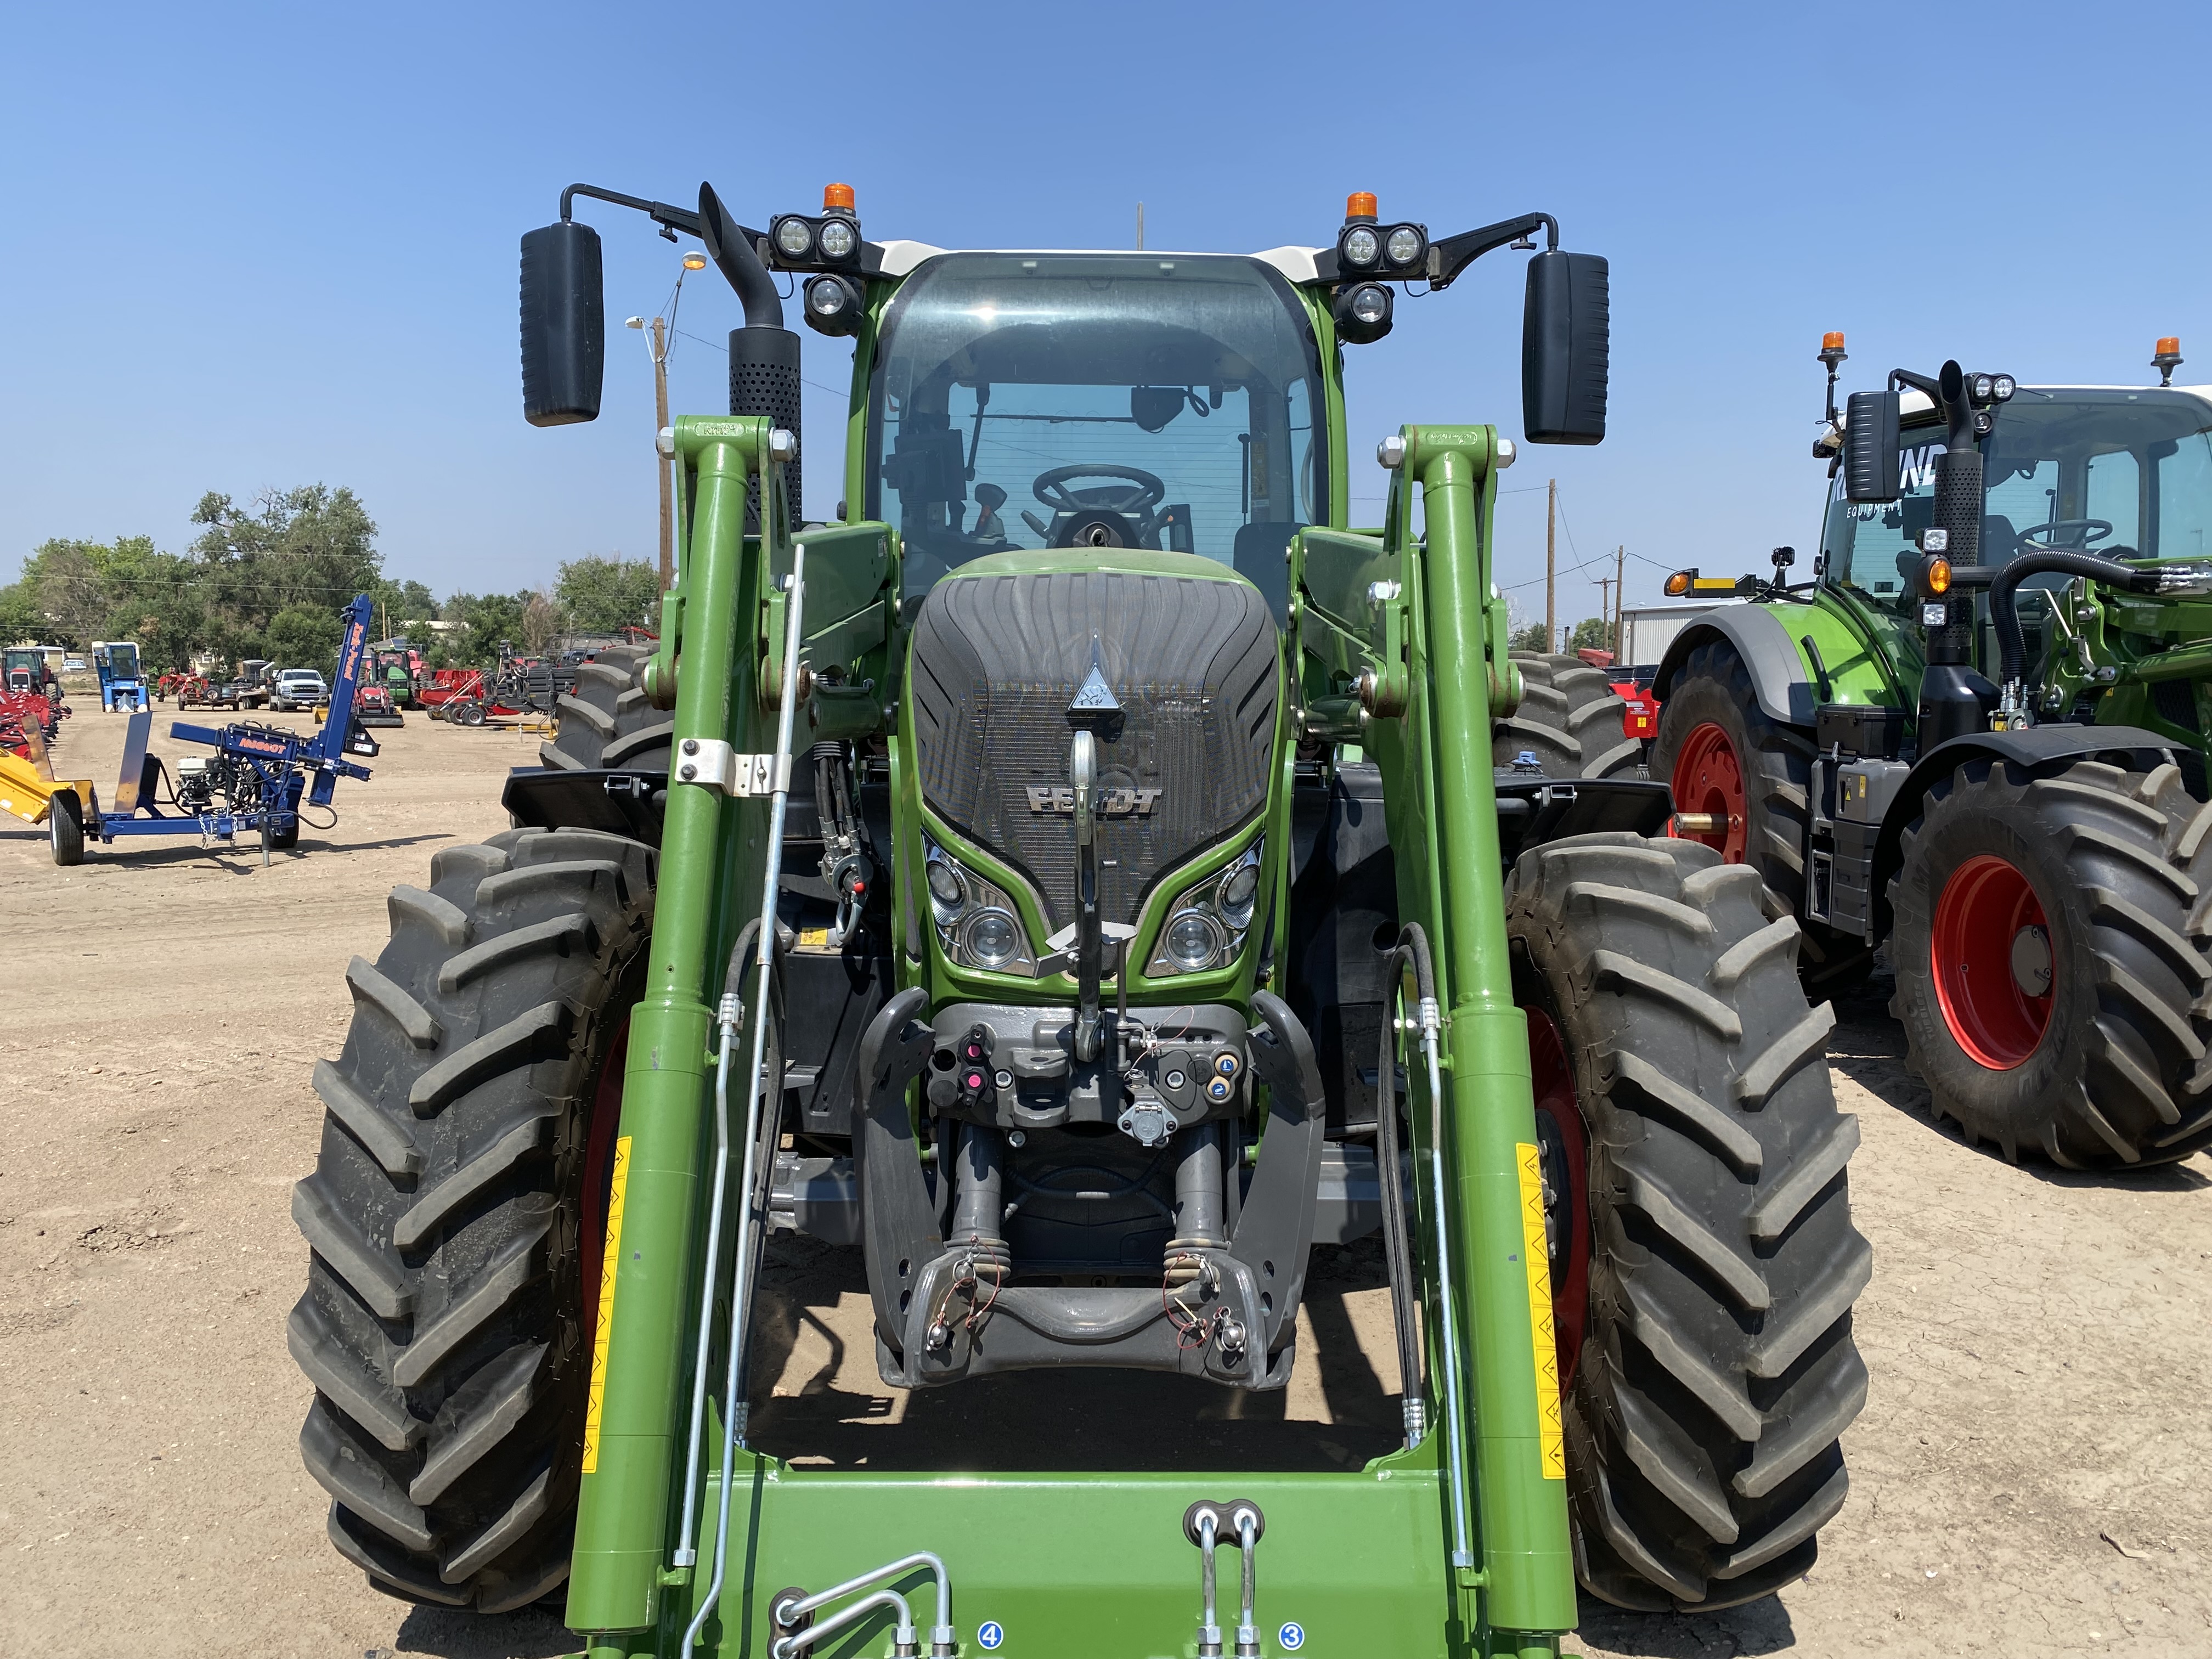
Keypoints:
(1189, 650)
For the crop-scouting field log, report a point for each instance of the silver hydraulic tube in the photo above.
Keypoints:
(730, 1018)
(903, 1642)
(1248, 1540)
(941, 1633)
(1463, 1544)
(733, 1406)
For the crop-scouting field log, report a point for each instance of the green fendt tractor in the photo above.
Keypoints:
(1978, 734)
(1080, 908)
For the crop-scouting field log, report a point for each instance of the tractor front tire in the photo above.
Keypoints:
(1724, 756)
(1571, 723)
(1703, 1259)
(606, 723)
(457, 1213)
(2051, 973)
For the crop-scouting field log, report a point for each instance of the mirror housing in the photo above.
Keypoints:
(564, 324)
(1870, 441)
(1565, 343)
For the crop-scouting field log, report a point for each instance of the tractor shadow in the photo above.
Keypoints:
(1756, 1628)
(815, 1345)
(536, 1632)
(1868, 1047)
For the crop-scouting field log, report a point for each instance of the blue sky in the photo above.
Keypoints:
(246, 247)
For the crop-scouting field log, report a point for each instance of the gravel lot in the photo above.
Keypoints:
(2030, 1477)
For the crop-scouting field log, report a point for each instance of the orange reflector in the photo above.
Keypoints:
(1360, 204)
(1939, 576)
(1678, 584)
(2169, 345)
(1832, 340)
(837, 195)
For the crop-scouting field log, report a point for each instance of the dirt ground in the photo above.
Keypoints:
(2033, 1475)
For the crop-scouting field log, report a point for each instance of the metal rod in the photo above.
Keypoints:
(733, 1406)
(1462, 1541)
(729, 1017)
(1209, 1624)
(1248, 1638)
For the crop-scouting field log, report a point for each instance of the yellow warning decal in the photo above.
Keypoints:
(609, 1260)
(1535, 1250)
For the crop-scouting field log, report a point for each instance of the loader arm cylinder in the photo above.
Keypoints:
(630, 1438)
(1520, 1470)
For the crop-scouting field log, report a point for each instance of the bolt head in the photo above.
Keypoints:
(1390, 454)
(783, 445)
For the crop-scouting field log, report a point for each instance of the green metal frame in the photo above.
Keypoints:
(1361, 1561)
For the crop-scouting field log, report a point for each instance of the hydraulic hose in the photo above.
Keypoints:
(1397, 1240)
(2004, 604)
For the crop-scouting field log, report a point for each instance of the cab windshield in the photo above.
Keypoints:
(1096, 400)
(122, 661)
(2124, 475)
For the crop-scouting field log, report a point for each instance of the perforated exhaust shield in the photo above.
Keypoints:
(1192, 659)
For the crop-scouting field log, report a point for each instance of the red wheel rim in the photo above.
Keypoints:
(1555, 1096)
(1708, 781)
(1990, 950)
(599, 1169)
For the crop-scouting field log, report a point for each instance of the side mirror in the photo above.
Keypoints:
(564, 324)
(1870, 441)
(1565, 341)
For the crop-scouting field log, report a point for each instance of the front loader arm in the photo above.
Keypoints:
(1428, 664)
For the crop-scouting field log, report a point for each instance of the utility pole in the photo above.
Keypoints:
(1550, 566)
(1619, 597)
(667, 465)
(1604, 603)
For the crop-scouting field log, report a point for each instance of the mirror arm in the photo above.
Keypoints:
(1453, 254)
(669, 219)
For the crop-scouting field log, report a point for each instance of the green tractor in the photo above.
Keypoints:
(1978, 736)
(1078, 911)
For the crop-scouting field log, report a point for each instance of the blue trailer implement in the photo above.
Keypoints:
(257, 781)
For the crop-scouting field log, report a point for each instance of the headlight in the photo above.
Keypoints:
(837, 239)
(1362, 246)
(1193, 941)
(794, 237)
(1235, 894)
(832, 304)
(977, 925)
(1209, 920)
(948, 893)
(1404, 244)
(2003, 387)
(990, 938)
(1370, 303)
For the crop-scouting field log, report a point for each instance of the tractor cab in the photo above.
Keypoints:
(1097, 401)
(23, 670)
(122, 681)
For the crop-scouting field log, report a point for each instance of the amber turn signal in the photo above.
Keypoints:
(1679, 583)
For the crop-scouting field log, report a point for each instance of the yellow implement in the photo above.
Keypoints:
(27, 788)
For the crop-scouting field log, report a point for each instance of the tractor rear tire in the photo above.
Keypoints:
(1711, 727)
(2087, 885)
(66, 828)
(456, 1215)
(606, 723)
(1571, 720)
(1704, 1258)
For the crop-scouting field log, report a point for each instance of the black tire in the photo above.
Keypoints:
(606, 722)
(1715, 688)
(443, 1325)
(465, 713)
(2118, 861)
(1571, 720)
(1716, 1368)
(66, 828)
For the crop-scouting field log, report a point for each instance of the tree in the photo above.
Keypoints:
(21, 621)
(312, 546)
(541, 621)
(305, 636)
(1591, 634)
(600, 596)
(66, 584)
(489, 618)
(401, 605)
(1533, 636)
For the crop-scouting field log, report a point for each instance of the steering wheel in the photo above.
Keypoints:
(2083, 531)
(1142, 492)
